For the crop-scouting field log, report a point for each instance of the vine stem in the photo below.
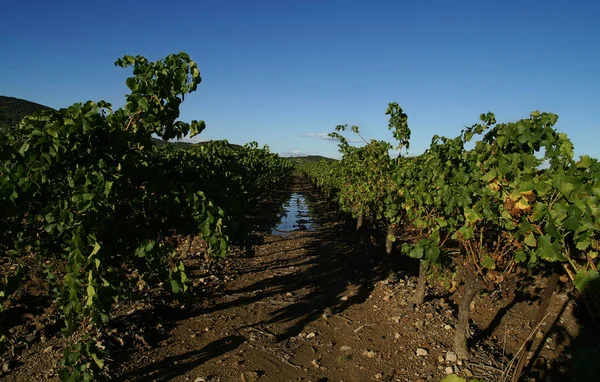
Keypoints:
(539, 318)
(134, 118)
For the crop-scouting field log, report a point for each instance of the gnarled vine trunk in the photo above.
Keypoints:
(188, 245)
(473, 285)
(389, 239)
(419, 295)
(359, 221)
(539, 317)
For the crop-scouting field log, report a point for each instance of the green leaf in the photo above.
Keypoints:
(23, 148)
(530, 240)
(520, 256)
(416, 252)
(472, 216)
(98, 361)
(584, 279)
(91, 292)
(95, 250)
(143, 104)
(175, 286)
(549, 250)
(488, 262)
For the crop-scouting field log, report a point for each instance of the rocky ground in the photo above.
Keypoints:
(318, 304)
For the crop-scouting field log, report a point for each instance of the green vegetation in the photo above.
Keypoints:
(517, 199)
(89, 200)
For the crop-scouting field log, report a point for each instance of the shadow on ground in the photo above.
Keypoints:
(335, 269)
(174, 366)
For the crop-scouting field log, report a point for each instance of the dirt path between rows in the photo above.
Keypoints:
(319, 304)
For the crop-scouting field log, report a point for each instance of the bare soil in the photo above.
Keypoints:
(319, 304)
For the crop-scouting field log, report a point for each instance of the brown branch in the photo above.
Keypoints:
(134, 118)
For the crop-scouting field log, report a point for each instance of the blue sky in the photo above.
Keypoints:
(285, 73)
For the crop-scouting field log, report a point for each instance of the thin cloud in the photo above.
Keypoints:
(293, 153)
(325, 137)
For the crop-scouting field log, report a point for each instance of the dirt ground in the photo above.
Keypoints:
(318, 304)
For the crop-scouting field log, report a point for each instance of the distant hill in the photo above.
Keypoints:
(13, 110)
(309, 159)
(188, 145)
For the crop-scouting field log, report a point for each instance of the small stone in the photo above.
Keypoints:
(378, 376)
(315, 363)
(48, 349)
(289, 294)
(200, 379)
(396, 319)
(459, 362)
(451, 357)
(345, 298)
(369, 354)
(440, 359)
(447, 327)
(397, 336)
(539, 335)
(310, 335)
(345, 348)
(422, 352)
(249, 376)
(448, 370)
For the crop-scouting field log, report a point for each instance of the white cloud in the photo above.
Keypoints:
(293, 153)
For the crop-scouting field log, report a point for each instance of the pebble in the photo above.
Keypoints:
(451, 357)
(448, 370)
(397, 319)
(310, 335)
(369, 354)
(200, 379)
(447, 327)
(397, 336)
(345, 348)
(249, 376)
(422, 352)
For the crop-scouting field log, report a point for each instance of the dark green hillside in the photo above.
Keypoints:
(13, 110)
(309, 159)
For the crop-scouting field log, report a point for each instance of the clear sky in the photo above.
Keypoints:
(285, 72)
